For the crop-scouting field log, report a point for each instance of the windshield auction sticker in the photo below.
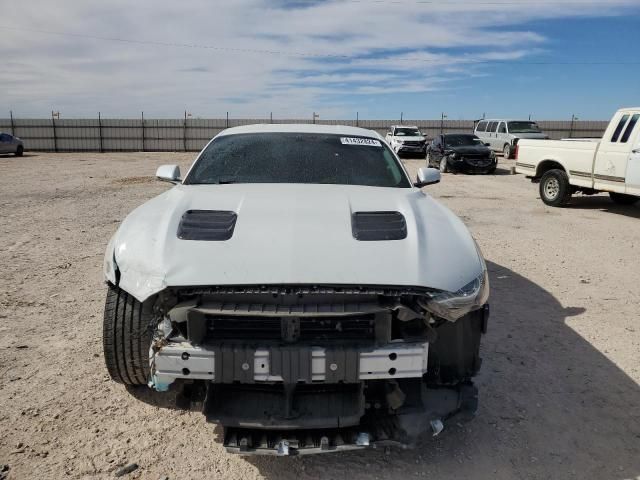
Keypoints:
(367, 142)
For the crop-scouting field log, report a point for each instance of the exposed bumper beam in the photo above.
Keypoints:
(186, 361)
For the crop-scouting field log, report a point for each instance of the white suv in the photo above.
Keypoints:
(406, 139)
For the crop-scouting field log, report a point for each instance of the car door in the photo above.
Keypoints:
(5, 143)
(502, 137)
(632, 179)
(491, 134)
(613, 158)
(481, 130)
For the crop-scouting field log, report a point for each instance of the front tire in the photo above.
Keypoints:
(19, 151)
(428, 159)
(507, 151)
(555, 190)
(444, 166)
(128, 329)
(623, 199)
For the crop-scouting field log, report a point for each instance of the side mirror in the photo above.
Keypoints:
(487, 144)
(427, 176)
(168, 173)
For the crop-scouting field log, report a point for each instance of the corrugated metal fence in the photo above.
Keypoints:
(151, 135)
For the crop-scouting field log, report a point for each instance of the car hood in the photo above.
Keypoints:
(541, 136)
(291, 234)
(419, 138)
(471, 150)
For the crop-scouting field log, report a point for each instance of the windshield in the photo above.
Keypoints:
(407, 132)
(462, 141)
(298, 158)
(524, 127)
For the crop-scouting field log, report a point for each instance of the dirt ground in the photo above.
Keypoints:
(559, 386)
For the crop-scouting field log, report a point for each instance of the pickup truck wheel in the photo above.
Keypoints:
(555, 190)
(622, 199)
(428, 159)
(506, 151)
(444, 167)
(127, 333)
(19, 151)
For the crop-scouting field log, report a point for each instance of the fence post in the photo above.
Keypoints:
(573, 119)
(143, 132)
(13, 127)
(55, 137)
(184, 132)
(357, 119)
(227, 126)
(271, 117)
(442, 117)
(100, 132)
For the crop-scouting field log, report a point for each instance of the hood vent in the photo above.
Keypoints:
(208, 225)
(375, 226)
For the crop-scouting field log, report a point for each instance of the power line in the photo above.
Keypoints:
(444, 60)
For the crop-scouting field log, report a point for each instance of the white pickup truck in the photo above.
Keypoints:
(589, 166)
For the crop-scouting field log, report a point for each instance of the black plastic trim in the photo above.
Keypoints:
(377, 226)
(207, 225)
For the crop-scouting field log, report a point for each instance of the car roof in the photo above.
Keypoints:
(629, 109)
(404, 126)
(505, 120)
(301, 128)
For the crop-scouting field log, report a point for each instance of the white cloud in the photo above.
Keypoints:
(372, 48)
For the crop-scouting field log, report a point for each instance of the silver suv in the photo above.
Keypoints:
(503, 135)
(11, 144)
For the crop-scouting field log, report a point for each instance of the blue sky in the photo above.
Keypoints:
(335, 57)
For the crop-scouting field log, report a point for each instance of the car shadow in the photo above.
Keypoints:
(12, 155)
(498, 172)
(412, 156)
(144, 394)
(551, 406)
(604, 204)
(502, 171)
(180, 396)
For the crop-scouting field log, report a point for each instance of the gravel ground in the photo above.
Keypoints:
(560, 395)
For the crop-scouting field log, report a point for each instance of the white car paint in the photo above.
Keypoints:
(608, 165)
(291, 234)
(397, 142)
(633, 171)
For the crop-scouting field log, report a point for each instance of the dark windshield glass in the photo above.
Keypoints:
(462, 141)
(524, 127)
(298, 158)
(407, 132)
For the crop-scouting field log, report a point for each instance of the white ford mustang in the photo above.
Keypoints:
(302, 288)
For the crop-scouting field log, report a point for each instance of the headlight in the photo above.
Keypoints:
(472, 296)
(453, 155)
(492, 154)
(397, 140)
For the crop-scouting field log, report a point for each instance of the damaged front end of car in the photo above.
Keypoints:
(293, 369)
